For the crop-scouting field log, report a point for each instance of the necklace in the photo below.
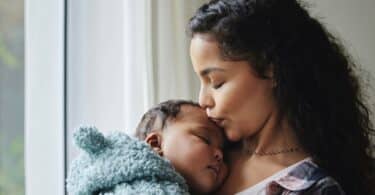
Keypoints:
(271, 153)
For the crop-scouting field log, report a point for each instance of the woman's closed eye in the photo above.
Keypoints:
(218, 85)
(216, 80)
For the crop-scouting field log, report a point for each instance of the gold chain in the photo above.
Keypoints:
(262, 153)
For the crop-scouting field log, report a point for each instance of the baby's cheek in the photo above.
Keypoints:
(223, 174)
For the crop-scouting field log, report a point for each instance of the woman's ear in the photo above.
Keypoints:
(154, 139)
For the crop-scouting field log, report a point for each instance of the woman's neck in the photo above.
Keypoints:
(248, 169)
(275, 139)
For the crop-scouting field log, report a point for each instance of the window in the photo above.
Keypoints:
(44, 97)
(12, 97)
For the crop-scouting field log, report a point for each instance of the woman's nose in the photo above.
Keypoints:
(205, 99)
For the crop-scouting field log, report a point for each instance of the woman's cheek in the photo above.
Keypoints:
(227, 99)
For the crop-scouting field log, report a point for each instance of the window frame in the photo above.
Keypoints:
(45, 92)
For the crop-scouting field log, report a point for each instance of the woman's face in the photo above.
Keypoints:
(234, 97)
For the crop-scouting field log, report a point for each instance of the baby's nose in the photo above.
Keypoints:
(218, 155)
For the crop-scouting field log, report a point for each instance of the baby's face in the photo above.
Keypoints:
(194, 144)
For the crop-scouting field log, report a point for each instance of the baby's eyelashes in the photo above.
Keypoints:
(204, 139)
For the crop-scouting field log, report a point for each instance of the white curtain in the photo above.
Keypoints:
(124, 57)
(157, 64)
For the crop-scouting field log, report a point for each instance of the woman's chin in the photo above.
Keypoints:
(232, 135)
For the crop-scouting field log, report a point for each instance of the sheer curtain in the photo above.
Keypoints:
(124, 57)
(157, 64)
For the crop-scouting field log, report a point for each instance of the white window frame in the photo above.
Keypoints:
(45, 96)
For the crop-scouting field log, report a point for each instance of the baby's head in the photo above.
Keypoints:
(181, 132)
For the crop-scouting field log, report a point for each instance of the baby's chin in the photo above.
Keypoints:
(205, 186)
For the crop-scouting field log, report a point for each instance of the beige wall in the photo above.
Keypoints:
(354, 23)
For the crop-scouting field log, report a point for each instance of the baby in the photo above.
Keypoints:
(176, 139)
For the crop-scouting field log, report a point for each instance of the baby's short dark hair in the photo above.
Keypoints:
(157, 116)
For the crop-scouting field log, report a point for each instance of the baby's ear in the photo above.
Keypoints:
(154, 139)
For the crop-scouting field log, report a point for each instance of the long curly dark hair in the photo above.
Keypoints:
(317, 90)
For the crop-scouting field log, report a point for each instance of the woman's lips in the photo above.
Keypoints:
(218, 121)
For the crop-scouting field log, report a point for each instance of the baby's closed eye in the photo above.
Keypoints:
(205, 139)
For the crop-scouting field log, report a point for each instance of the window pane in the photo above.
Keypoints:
(95, 66)
(12, 97)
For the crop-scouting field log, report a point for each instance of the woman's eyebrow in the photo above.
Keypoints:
(209, 70)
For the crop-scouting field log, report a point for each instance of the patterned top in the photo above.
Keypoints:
(305, 179)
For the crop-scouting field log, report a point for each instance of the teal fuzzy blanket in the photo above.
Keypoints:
(120, 164)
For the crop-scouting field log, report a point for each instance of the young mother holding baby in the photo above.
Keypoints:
(284, 90)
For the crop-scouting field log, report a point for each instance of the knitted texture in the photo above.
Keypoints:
(120, 164)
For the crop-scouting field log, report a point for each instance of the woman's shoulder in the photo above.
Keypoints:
(307, 178)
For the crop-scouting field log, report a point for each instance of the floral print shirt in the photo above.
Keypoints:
(305, 179)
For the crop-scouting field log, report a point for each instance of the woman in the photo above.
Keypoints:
(283, 87)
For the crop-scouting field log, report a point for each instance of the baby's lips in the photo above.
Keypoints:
(216, 168)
